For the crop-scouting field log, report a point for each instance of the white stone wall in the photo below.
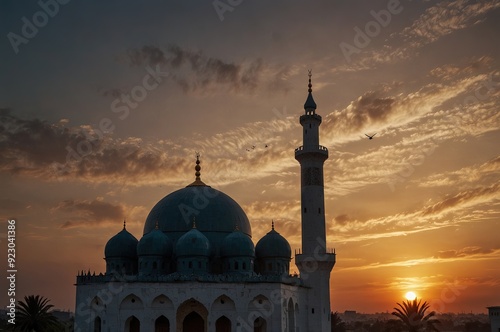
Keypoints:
(115, 302)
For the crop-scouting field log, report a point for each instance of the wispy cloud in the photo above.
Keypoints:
(437, 21)
(470, 253)
(449, 211)
(196, 72)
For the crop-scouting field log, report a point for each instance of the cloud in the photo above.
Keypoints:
(342, 219)
(444, 18)
(464, 252)
(194, 71)
(54, 152)
(452, 71)
(487, 172)
(463, 198)
(469, 253)
(437, 21)
(461, 208)
(87, 212)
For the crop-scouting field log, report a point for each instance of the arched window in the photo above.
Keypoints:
(244, 267)
(132, 325)
(155, 265)
(162, 324)
(291, 316)
(260, 325)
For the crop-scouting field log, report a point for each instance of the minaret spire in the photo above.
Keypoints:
(310, 105)
(310, 85)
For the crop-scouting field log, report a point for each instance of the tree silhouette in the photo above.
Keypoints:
(413, 314)
(337, 324)
(33, 315)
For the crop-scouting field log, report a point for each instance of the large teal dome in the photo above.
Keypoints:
(215, 213)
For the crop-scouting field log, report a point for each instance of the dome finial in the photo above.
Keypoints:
(272, 224)
(310, 105)
(194, 222)
(124, 223)
(197, 168)
(156, 224)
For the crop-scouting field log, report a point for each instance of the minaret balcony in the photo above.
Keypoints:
(319, 150)
(308, 117)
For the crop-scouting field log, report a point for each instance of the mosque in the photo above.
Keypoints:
(196, 268)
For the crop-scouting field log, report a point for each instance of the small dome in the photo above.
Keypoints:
(237, 244)
(273, 245)
(193, 243)
(122, 244)
(155, 243)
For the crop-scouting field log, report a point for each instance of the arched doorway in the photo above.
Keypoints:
(259, 325)
(223, 324)
(132, 325)
(162, 324)
(193, 322)
(97, 324)
(191, 313)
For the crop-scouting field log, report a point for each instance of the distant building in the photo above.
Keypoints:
(196, 268)
(494, 313)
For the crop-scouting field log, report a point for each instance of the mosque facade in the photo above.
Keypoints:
(196, 268)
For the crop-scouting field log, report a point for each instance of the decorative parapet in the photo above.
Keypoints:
(320, 149)
(178, 277)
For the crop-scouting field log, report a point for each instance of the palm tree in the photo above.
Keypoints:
(413, 314)
(33, 315)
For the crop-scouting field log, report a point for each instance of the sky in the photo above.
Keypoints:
(103, 107)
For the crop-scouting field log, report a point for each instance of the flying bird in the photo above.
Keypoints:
(370, 137)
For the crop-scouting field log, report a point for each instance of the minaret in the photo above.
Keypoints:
(314, 262)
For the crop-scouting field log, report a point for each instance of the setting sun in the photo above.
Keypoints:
(410, 296)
